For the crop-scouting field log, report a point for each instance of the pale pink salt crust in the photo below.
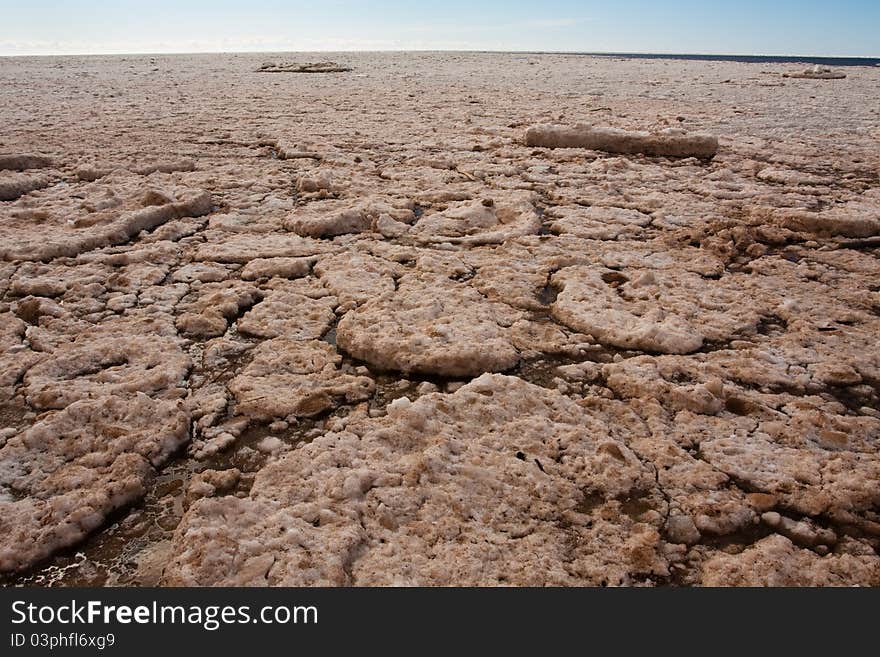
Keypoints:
(440, 319)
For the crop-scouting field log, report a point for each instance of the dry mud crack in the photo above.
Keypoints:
(404, 331)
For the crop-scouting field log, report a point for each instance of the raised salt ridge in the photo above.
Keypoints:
(666, 143)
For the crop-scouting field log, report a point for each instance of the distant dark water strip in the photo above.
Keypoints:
(748, 59)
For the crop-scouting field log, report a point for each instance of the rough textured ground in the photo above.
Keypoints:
(349, 328)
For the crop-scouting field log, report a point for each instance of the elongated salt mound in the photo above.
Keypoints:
(309, 67)
(19, 185)
(668, 143)
(20, 162)
(69, 241)
(816, 73)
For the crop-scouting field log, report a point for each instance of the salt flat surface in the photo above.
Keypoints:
(348, 328)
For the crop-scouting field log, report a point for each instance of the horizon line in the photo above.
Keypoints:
(597, 53)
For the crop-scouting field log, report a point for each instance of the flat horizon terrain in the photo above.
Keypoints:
(348, 328)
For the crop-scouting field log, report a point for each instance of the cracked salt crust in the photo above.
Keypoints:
(276, 338)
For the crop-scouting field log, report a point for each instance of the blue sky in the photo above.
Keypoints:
(803, 27)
